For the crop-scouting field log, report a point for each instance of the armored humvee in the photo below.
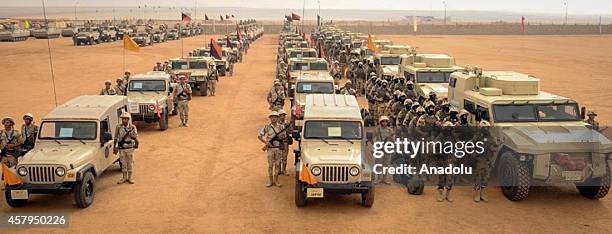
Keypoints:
(151, 98)
(87, 36)
(429, 72)
(195, 68)
(543, 138)
(74, 146)
(331, 150)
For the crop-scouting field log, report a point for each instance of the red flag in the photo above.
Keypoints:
(157, 109)
(321, 52)
(215, 49)
(221, 17)
(205, 17)
(185, 18)
(295, 16)
(523, 24)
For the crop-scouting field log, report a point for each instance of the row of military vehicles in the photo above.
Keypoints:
(74, 145)
(12, 32)
(544, 140)
(143, 34)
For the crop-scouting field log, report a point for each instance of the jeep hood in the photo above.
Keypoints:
(390, 70)
(535, 138)
(149, 97)
(337, 152)
(53, 153)
(441, 89)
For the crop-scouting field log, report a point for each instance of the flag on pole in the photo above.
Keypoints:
(26, 24)
(288, 18)
(233, 16)
(215, 49)
(321, 50)
(306, 175)
(295, 16)
(238, 33)
(318, 20)
(221, 17)
(205, 17)
(157, 109)
(130, 44)
(10, 177)
(371, 44)
(226, 16)
(185, 17)
(523, 24)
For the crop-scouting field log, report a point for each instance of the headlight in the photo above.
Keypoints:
(22, 171)
(316, 171)
(354, 171)
(60, 171)
(151, 107)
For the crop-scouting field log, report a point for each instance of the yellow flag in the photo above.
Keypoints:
(306, 176)
(371, 44)
(9, 176)
(26, 24)
(130, 44)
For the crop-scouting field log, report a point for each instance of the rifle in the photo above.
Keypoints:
(123, 141)
(265, 147)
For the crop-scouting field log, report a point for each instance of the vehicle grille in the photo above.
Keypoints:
(144, 108)
(41, 174)
(334, 173)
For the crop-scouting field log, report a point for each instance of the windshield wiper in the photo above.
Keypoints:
(343, 138)
(323, 139)
(58, 142)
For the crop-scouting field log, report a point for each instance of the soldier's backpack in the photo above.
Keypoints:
(415, 185)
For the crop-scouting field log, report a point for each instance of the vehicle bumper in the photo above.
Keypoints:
(358, 187)
(65, 187)
(148, 117)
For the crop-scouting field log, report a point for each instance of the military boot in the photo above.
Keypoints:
(448, 195)
(123, 178)
(441, 195)
(270, 181)
(477, 195)
(130, 180)
(276, 183)
(483, 195)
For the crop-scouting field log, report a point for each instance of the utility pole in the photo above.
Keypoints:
(303, 14)
(566, 6)
(444, 2)
(75, 11)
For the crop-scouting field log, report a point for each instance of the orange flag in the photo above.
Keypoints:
(130, 44)
(371, 44)
(306, 176)
(9, 176)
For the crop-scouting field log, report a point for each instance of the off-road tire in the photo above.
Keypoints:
(300, 194)
(85, 191)
(15, 203)
(203, 89)
(367, 199)
(600, 190)
(163, 121)
(516, 187)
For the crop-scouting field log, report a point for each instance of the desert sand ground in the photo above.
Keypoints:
(210, 177)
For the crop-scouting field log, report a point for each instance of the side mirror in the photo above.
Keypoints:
(296, 135)
(106, 137)
(583, 112)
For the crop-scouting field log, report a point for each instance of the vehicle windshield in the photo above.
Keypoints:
(147, 85)
(433, 77)
(314, 129)
(315, 87)
(203, 53)
(302, 54)
(304, 45)
(390, 60)
(198, 65)
(180, 65)
(309, 67)
(68, 130)
(536, 112)
(357, 45)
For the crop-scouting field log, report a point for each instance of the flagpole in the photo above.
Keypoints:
(49, 49)
(123, 55)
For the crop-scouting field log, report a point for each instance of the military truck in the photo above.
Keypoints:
(429, 72)
(74, 147)
(14, 35)
(331, 150)
(143, 39)
(87, 36)
(301, 53)
(69, 31)
(151, 98)
(306, 84)
(108, 34)
(387, 65)
(195, 68)
(543, 138)
(221, 64)
(300, 66)
(173, 34)
(159, 36)
(45, 32)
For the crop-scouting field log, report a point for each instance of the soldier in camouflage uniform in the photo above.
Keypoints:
(384, 133)
(445, 182)
(410, 92)
(360, 77)
(348, 89)
(272, 135)
(401, 85)
(108, 90)
(484, 161)
(399, 121)
(276, 96)
(126, 142)
(382, 95)
(10, 141)
(591, 120)
(183, 95)
(395, 106)
(444, 110)
(29, 131)
(213, 78)
(282, 117)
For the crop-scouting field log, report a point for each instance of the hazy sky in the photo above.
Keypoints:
(595, 7)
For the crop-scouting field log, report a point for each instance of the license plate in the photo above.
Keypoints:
(314, 192)
(19, 194)
(572, 175)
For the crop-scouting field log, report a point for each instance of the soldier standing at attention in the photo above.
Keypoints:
(158, 67)
(108, 90)
(282, 118)
(120, 88)
(384, 133)
(276, 96)
(183, 95)
(591, 120)
(272, 135)
(126, 76)
(29, 130)
(484, 161)
(10, 140)
(348, 89)
(126, 141)
(213, 78)
(445, 181)
(232, 60)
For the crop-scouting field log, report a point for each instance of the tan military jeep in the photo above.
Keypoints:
(151, 98)
(429, 72)
(74, 146)
(331, 149)
(543, 138)
(195, 68)
(306, 84)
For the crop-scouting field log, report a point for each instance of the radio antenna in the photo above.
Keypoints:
(49, 50)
